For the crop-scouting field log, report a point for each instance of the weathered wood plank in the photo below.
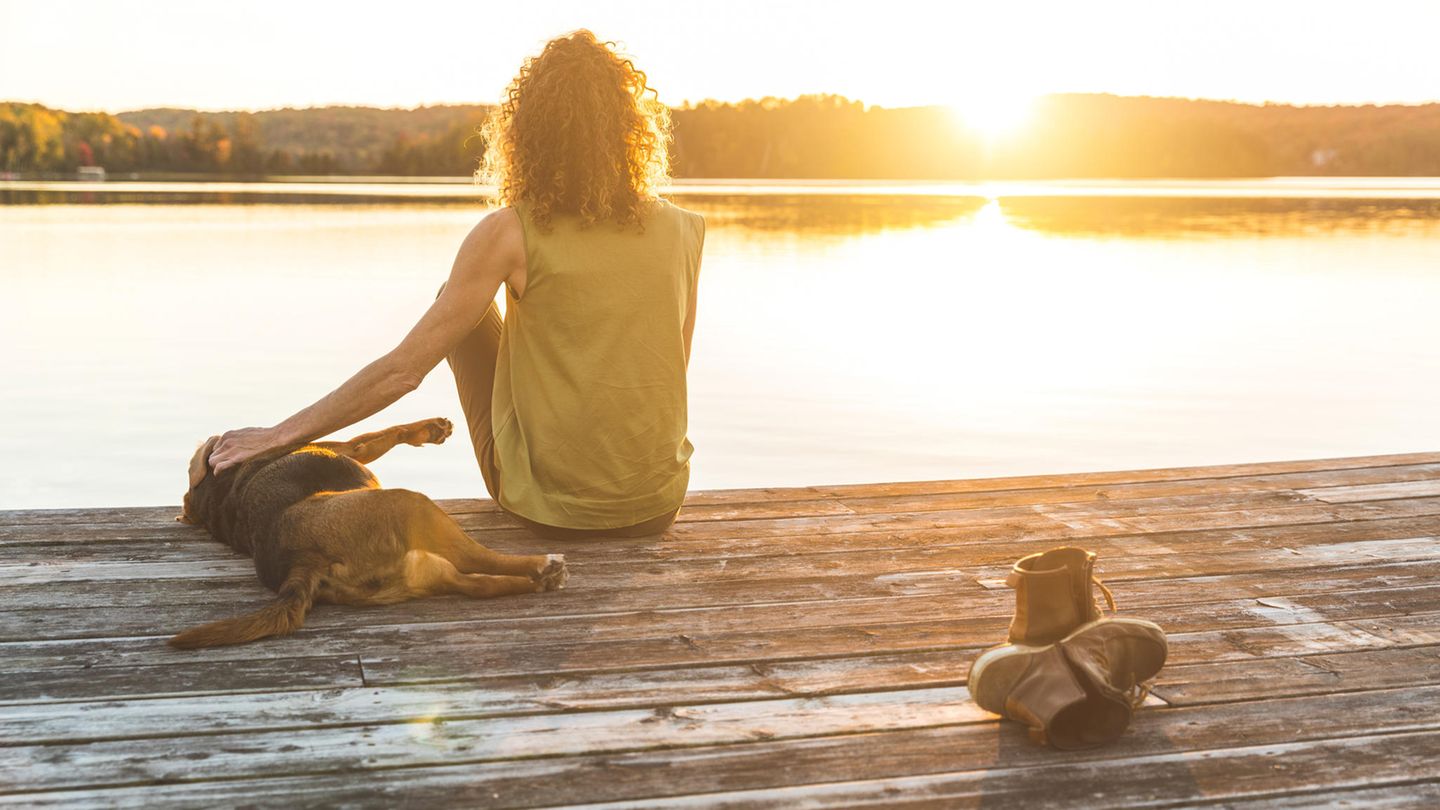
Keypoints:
(700, 500)
(416, 654)
(88, 515)
(156, 676)
(534, 614)
(419, 742)
(1421, 476)
(209, 676)
(673, 753)
(1140, 598)
(1174, 505)
(1140, 498)
(992, 531)
(698, 507)
(130, 610)
(1161, 780)
(715, 504)
(51, 722)
(876, 489)
(238, 593)
(488, 520)
(385, 664)
(1299, 596)
(1230, 681)
(993, 614)
(1013, 538)
(887, 488)
(665, 549)
(1375, 491)
(1283, 504)
(1307, 513)
(1413, 629)
(65, 535)
(433, 652)
(785, 524)
(584, 559)
(535, 783)
(894, 572)
(957, 590)
(1398, 796)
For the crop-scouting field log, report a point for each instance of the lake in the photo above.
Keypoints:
(846, 332)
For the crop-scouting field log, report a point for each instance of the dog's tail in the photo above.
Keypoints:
(284, 615)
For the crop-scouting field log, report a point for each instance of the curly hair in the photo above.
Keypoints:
(579, 132)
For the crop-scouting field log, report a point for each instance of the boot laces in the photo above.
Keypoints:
(1109, 597)
(1134, 693)
(1137, 694)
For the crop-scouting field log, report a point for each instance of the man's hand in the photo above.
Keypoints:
(238, 446)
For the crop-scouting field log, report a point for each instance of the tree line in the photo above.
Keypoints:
(820, 136)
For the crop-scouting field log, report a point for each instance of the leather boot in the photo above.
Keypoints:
(1053, 597)
(1077, 693)
(1042, 691)
(1118, 655)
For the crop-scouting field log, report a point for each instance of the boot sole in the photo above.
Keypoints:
(994, 674)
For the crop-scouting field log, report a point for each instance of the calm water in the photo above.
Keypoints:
(857, 334)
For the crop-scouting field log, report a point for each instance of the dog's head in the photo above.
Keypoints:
(199, 472)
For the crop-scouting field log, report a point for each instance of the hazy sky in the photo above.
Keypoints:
(126, 54)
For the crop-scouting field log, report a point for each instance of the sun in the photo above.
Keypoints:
(994, 116)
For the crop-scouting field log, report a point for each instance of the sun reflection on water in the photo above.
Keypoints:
(847, 339)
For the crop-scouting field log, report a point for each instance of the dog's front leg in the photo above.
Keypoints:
(371, 446)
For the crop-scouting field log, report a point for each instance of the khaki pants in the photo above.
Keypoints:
(473, 362)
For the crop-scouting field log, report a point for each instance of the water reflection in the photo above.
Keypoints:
(1135, 209)
(828, 215)
(844, 338)
(1169, 217)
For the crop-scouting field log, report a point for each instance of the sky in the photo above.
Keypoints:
(126, 54)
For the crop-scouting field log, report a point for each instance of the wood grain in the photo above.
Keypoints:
(777, 647)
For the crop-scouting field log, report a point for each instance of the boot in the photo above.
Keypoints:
(1118, 655)
(1041, 690)
(1077, 693)
(1053, 596)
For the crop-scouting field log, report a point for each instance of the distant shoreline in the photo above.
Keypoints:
(1061, 136)
(461, 189)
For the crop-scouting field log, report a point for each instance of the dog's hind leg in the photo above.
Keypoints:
(470, 557)
(428, 574)
(370, 446)
(430, 529)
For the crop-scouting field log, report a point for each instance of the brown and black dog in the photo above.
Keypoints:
(321, 529)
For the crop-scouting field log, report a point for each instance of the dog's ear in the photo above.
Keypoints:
(200, 463)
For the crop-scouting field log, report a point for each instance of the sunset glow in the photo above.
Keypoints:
(996, 116)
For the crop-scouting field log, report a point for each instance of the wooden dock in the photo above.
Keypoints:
(777, 647)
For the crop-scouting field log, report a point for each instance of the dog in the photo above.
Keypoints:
(321, 529)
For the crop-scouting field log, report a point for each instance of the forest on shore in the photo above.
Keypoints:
(820, 137)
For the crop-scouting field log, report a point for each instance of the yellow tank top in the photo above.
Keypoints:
(590, 396)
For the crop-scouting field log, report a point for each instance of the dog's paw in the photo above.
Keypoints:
(554, 575)
(430, 431)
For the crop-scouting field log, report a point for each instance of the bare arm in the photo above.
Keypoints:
(486, 259)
